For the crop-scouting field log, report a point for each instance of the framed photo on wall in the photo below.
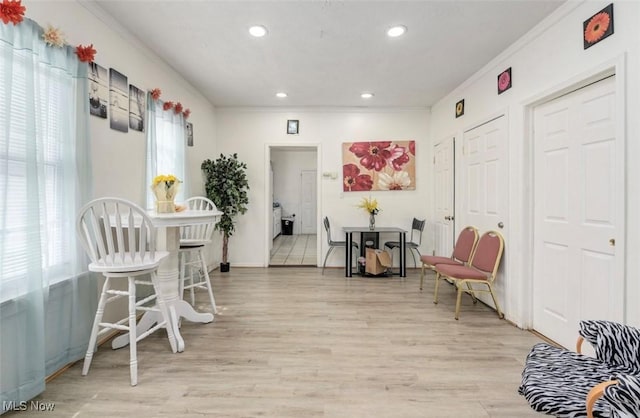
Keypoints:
(189, 127)
(119, 100)
(460, 108)
(504, 81)
(292, 127)
(598, 27)
(98, 90)
(137, 107)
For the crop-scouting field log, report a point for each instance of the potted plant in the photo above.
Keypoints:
(226, 185)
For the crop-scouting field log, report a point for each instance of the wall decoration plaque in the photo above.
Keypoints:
(598, 27)
(504, 81)
(460, 108)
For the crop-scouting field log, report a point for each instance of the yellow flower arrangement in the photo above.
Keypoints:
(168, 179)
(165, 188)
(370, 205)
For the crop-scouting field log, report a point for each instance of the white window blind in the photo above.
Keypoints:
(33, 168)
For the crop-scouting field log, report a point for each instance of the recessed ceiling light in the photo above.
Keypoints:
(366, 95)
(258, 31)
(396, 31)
(281, 95)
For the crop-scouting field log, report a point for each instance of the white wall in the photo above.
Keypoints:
(549, 58)
(251, 132)
(287, 185)
(119, 158)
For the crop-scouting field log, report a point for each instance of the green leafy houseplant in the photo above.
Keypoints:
(226, 185)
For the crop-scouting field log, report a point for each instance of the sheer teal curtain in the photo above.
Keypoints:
(166, 143)
(46, 302)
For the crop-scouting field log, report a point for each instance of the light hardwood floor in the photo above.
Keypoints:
(290, 342)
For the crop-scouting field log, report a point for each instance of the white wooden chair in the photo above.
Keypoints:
(104, 227)
(193, 239)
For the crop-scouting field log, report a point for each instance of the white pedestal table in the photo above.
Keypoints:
(168, 239)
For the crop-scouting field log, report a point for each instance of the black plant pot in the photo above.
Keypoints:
(224, 267)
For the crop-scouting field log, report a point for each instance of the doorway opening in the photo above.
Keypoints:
(292, 204)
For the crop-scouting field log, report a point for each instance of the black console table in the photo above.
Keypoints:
(349, 230)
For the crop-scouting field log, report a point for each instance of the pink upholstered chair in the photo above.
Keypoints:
(481, 270)
(462, 251)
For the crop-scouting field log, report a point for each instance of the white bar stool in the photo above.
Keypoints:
(104, 227)
(193, 239)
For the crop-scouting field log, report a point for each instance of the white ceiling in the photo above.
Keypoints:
(325, 53)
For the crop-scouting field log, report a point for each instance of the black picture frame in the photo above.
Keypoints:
(504, 81)
(293, 126)
(460, 108)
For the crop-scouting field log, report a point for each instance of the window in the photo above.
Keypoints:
(34, 170)
(166, 144)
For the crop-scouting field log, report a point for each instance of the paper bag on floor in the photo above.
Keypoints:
(377, 261)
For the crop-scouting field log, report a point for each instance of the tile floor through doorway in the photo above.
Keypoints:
(294, 250)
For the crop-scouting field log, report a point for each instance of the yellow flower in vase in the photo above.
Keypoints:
(165, 188)
(371, 206)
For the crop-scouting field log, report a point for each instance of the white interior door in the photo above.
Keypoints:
(484, 189)
(308, 221)
(579, 200)
(444, 168)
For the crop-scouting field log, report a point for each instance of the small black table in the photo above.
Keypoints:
(349, 230)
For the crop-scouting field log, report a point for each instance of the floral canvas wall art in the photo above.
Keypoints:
(378, 165)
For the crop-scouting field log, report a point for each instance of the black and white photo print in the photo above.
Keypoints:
(137, 105)
(119, 101)
(98, 90)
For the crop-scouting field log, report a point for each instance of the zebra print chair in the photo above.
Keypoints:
(622, 394)
(562, 383)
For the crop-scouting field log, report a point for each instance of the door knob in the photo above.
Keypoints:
(612, 242)
(500, 225)
(448, 218)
